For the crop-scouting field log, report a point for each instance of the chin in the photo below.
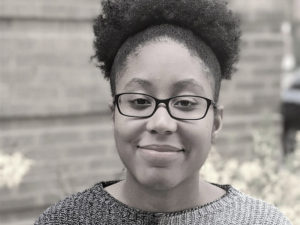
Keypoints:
(159, 181)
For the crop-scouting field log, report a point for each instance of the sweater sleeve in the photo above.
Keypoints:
(64, 212)
(275, 217)
(270, 215)
(56, 215)
(48, 217)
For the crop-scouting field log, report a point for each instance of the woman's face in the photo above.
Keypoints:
(161, 152)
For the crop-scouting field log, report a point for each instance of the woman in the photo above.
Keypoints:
(165, 61)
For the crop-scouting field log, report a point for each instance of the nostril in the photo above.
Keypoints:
(167, 132)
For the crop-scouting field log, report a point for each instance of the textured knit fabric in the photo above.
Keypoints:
(96, 206)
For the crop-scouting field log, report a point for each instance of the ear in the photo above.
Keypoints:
(112, 110)
(218, 122)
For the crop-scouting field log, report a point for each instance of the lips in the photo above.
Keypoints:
(161, 148)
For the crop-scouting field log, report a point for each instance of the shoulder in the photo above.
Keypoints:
(258, 211)
(75, 208)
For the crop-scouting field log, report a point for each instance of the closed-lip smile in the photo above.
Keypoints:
(160, 148)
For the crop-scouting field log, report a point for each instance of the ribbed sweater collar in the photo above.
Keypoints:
(218, 205)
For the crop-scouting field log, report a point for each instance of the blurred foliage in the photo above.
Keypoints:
(13, 168)
(267, 175)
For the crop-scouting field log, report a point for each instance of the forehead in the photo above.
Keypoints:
(164, 65)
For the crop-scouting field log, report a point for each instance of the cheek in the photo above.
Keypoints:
(198, 135)
(127, 133)
(199, 143)
(197, 139)
(126, 130)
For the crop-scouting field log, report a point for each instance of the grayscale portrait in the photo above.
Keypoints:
(179, 112)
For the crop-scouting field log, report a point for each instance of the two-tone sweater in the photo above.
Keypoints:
(96, 206)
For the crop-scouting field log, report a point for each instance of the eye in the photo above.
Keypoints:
(140, 101)
(186, 104)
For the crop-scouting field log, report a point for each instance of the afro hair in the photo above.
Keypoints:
(210, 20)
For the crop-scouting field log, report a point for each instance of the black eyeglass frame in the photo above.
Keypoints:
(166, 102)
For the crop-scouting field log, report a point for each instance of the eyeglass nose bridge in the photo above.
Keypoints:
(164, 101)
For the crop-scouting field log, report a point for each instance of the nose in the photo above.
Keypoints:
(161, 122)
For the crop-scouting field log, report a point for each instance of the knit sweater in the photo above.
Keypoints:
(96, 206)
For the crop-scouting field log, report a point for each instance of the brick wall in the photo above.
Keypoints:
(296, 30)
(54, 102)
(251, 98)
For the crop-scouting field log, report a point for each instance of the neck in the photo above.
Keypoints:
(183, 196)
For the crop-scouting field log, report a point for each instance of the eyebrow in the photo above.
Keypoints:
(177, 87)
(143, 83)
(190, 83)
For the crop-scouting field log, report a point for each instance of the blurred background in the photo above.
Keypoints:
(55, 125)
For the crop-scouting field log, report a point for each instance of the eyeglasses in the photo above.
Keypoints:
(183, 107)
